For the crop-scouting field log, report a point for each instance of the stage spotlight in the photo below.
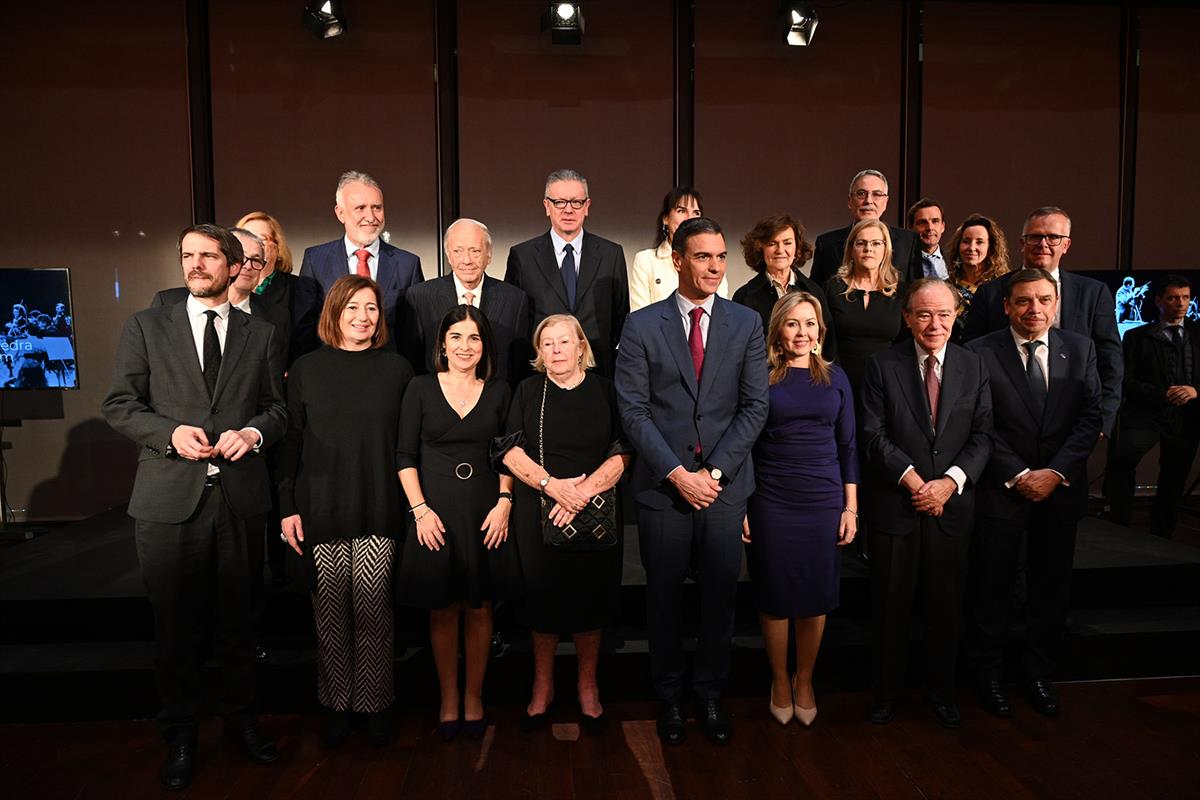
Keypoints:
(801, 23)
(565, 23)
(323, 18)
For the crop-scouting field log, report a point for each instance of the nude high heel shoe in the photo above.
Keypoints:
(782, 715)
(805, 715)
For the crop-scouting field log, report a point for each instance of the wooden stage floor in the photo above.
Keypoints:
(1116, 739)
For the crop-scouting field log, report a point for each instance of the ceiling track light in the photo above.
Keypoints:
(800, 23)
(323, 19)
(565, 23)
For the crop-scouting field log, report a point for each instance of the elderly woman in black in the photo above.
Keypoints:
(340, 501)
(456, 561)
(776, 249)
(565, 446)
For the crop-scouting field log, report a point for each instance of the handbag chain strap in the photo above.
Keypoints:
(541, 426)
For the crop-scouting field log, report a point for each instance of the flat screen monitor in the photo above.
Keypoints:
(1134, 292)
(37, 330)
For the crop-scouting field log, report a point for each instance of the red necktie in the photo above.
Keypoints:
(696, 341)
(933, 388)
(363, 254)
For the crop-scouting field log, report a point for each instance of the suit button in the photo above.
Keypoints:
(936, 452)
(699, 417)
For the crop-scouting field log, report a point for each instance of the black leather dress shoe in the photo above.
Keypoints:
(180, 766)
(336, 728)
(594, 725)
(947, 714)
(1043, 697)
(670, 722)
(714, 721)
(379, 727)
(534, 722)
(993, 698)
(258, 748)
(882, 712)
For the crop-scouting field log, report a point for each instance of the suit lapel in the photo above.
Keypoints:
(1058, 360)
(951, 386)
(671, 326)
(185, 342)
(589, 265)
(715, 349)
(489, 302)
(1066, 292)
(909, 378)
(236, 336)
(550, 271)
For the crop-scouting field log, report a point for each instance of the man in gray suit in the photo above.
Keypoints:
(197, 386)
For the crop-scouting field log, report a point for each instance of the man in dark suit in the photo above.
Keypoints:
(570, 271)
(691, 385)
(1162, 377)
(468, 247)
(197, 387)
(359, 207)
(1046, 419)
(868, 199)
(926, 421)
(926, 219)
(1085, 304)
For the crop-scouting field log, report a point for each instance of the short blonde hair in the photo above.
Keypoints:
(587, 361)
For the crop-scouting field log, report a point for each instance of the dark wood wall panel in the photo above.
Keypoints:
(1021, 109)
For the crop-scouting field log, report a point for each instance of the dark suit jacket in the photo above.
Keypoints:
(758, 294)
(259, 307)
(323, 264)
(1148, 356)
(1087, 309)
(830, 247)
(896, 434)
(506, 309)
(665, 412)
(158, 385)
(1061, 440)
(601, 294)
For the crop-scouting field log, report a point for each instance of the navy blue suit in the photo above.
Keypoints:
(1061, 440)
(667, 414)
(325, 263)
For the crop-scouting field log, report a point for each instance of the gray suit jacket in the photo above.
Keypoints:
(158, 385)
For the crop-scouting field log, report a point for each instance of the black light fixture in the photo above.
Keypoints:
(323, 18)
(565, 23)
(801, 21)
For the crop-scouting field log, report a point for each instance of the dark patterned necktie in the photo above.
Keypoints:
(568, 275)
(212, 353)
(1037, 378)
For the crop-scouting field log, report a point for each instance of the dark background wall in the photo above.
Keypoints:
(991, 107)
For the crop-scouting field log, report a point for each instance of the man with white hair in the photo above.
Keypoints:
(468, 248)
(361, 251)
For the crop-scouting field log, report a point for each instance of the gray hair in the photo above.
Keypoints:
(1046, 211)
(354, 176)
(867, 173)
(565, 175)
(487, 236)
(251, 235)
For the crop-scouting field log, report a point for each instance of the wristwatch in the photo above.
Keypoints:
(716, 473)
(544, 481)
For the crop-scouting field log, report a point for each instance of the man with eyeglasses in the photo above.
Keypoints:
(1085, 305)
(868, 199)
(926, 423)
(570, 271)
(468, 248)
(358, 205)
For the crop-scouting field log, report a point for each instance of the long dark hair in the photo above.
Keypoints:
(487, 359)
(674, 198)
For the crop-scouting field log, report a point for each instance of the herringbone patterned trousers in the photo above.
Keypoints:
(353, 610)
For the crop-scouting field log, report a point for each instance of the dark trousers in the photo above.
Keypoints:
(995, 556)
(928, 562)
(197, 578)
(1176, 454)
(710, 542)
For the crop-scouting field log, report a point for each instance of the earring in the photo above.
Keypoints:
(816, 351)
(665, 232)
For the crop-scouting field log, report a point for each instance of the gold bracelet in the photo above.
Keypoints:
(851, 510)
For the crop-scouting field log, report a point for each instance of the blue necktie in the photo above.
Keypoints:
(568, 275)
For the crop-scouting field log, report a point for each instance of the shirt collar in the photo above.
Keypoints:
(940, 355)
(244, 305)
(351, 247)
(196, 309)
(1021, 340)
(936, 255)
(560, 243)
(685, 306)
(460, 289)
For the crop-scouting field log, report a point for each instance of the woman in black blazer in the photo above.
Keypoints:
(776, 249)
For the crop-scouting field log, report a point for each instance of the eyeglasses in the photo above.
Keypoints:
(1052, 239)
(863, 194)
(561, 204)
(255, 263)
(868, 244)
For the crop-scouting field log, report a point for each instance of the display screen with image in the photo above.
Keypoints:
(1134, 293)
(37, 330)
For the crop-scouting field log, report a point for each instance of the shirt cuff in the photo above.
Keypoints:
(1065, 482)
(904, 474)
(958, 476)
(1009, 483)
(672, 472)
(257, 433)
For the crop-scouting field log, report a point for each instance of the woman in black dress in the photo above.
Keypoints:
(865, 298)
(564, 440)
(456, 561)
(340, 500)
(776, 248)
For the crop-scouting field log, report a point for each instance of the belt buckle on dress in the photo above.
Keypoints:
(458, 471)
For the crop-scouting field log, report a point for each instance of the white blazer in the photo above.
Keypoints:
(652, 277)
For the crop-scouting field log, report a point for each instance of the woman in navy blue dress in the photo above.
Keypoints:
(805, 504)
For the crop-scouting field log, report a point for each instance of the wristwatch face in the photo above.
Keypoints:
(542, 483)
(716, 474)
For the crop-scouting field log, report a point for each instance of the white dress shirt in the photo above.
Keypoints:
(1042, 354)
(560, 243)
(685, 307)
(352, 260)
(954, 472)
(460, 292)
(1057, 323)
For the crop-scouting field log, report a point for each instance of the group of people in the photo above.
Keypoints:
(453, 443)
